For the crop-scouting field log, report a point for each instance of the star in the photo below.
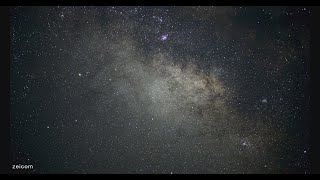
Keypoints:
(62, 15)
(164, 37)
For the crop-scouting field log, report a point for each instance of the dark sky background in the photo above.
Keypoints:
(160, 89)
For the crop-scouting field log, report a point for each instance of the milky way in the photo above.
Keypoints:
(160, 89)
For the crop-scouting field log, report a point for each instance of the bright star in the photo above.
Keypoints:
(164, 37)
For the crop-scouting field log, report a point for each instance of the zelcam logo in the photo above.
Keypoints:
(22, 166)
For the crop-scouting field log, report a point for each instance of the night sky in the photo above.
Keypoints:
(160, 89)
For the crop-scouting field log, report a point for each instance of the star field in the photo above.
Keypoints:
(160, 89)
